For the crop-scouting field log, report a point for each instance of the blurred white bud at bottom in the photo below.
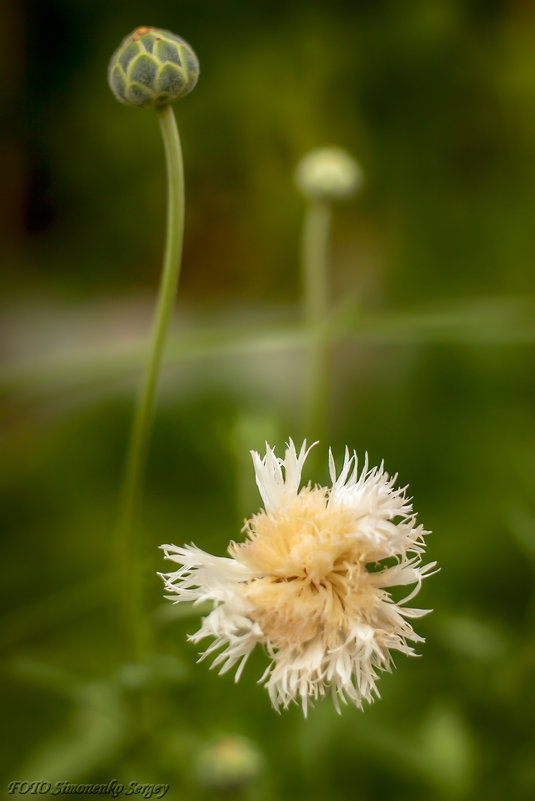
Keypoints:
(228, 763)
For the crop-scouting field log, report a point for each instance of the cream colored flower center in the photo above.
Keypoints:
(310, 571)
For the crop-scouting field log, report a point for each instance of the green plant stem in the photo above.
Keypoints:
(316, 296)
(127, 546)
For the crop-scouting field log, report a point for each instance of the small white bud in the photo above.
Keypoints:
(329, 173)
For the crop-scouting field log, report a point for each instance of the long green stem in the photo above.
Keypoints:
(140, 432)
(315, 286)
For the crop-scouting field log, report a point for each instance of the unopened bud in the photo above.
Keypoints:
(229, 763)
(328, 174)
(152, 67)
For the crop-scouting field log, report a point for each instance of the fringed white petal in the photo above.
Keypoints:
(382, 513)
(278, 479)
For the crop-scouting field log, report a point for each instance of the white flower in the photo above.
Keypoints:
(310, 581)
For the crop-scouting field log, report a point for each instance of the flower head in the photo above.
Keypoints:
(152, 67)
(328, 174)
(310, 581)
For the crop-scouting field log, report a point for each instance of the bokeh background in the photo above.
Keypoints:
(432, 269)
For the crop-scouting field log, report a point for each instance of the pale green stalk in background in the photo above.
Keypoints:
(322, 176)
(316, 297)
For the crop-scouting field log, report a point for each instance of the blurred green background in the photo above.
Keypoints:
(433, 371)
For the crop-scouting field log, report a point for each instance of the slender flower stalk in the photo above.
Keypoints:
(310, 582)
(142, 422)
(322, 176)
(315, 287)
(151, 68)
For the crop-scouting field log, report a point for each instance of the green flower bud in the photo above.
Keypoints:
(152, 67)
(328, 174)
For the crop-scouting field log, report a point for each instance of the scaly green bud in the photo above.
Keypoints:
(328, 174)
(152, 67)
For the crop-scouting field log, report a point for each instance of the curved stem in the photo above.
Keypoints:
(141, 426)
(315, 285)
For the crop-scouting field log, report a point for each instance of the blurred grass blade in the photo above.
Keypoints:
(486, 320)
